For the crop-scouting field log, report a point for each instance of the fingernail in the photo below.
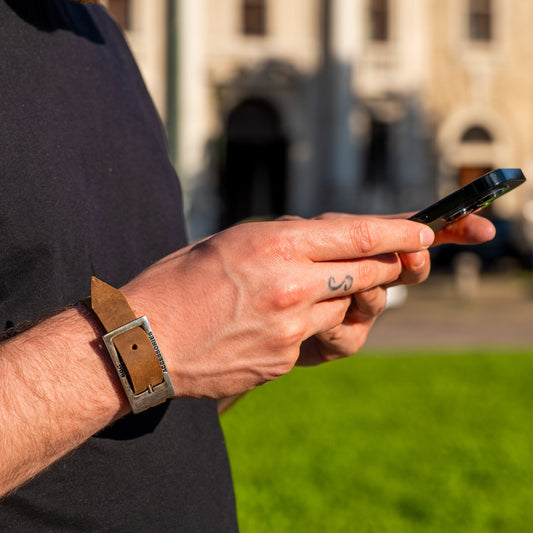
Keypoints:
(426, 237)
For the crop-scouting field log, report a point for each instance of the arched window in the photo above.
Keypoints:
(253, 17)
(480, 20)
(476, 134)
(379, 20)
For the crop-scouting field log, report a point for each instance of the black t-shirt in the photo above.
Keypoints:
(86, 188)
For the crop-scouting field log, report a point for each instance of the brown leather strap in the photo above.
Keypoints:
(136, 351)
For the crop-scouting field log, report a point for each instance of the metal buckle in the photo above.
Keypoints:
(153, 395)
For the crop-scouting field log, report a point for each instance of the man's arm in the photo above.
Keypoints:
(229, 313)
(57, 388)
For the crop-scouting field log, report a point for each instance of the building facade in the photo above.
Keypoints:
(366, 106)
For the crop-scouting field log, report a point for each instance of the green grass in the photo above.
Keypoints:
(388, 444)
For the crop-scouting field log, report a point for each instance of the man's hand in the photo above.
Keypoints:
(229, 313)
(362, 311)
(232, 311)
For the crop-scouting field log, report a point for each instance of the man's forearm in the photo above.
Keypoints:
(57, 388)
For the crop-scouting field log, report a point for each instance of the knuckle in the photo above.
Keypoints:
(363, 237)
(374, 301)
(284, 364)
(286, 295)
(290, 334)
(366, 274)
(379, 306)
(396, 267)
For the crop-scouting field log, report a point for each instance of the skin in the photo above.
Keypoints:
(286, 300)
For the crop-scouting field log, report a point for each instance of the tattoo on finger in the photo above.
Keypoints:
(346, 284)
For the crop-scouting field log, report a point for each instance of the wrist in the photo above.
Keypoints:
(112, 399)
(147, 300)
(132, 347)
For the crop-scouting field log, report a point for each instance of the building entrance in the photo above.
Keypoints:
(253, 173)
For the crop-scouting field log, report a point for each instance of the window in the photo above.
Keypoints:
(480, 20)
(379, 20)
(254, 17)
(120, 11)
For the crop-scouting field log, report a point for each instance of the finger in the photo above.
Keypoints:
(473, 229)
(328, 314)
(352, 237)
(338, 342)
(346, 335)
(415, 261)
(416, 268)
(367, 305)
(361, 308)
(335, 279)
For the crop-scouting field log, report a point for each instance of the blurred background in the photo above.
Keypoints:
(368, 106)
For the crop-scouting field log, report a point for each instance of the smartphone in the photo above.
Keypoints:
(471, 198)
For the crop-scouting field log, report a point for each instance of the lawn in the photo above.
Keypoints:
(383, 443)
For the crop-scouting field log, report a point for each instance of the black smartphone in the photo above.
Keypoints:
(472, 197)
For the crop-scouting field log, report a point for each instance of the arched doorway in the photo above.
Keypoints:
(472, 141)
(253, 174)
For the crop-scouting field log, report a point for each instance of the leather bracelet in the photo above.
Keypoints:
(132, 347)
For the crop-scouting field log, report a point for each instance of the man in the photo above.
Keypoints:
(88, 190)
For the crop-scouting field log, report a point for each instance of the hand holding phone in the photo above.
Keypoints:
(471, 198)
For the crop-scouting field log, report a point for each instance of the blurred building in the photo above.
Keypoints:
(301, 106)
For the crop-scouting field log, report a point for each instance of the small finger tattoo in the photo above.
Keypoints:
(346, 284)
